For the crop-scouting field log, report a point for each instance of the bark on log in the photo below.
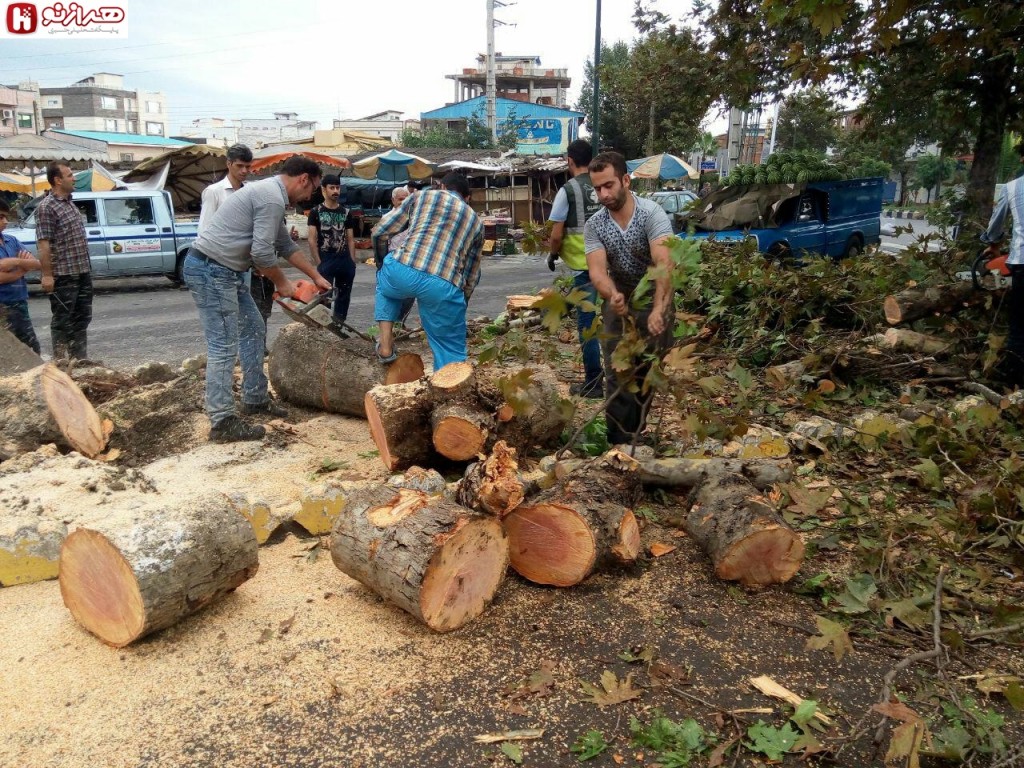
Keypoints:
(399, 418)
(762, 473)
(317, 369)
(29, 548)
(911, 341)
(142, 570)
(579, 525)
(15, 357)
(745, 538)
(43, 405)
(785, 375)
(539, 413)
(915, 303)
(492, 486)
(438, 561)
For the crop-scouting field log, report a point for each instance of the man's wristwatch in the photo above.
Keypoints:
(552, 258)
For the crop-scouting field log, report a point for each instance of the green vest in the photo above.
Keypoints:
(583, 204)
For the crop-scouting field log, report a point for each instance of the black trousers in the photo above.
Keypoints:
(626, 412)
(71, 305)
(262, 291)
(1012, 365)
(340, 270)
(14, 317)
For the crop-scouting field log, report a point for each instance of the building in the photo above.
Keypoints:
(335, 142)
(119, 147)
(387, 124)
(542, 129)
(213, 131)
(283, 126)
(19, 109)
(519, 78)
(101, 102)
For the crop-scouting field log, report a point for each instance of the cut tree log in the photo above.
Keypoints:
(317, 369)
(911, 341)
(43, 405)
(15, 357)
(787, 374)
(689, 473)
(914, 303)
(539, 412)
(582, 524)
(437, 560)
(144, 569)
(518, 302)
(459, 431)
(492, 486)
(399, 418)
(745, 538)
(29, 548)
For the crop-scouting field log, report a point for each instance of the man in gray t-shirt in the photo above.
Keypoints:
(624, 239)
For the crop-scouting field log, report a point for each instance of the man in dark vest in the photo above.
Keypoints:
(576, 202)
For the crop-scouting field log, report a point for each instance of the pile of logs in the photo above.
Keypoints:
(461, 411)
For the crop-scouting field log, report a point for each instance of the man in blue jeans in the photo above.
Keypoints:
(247, 231)
(576, 202)
(15, 263)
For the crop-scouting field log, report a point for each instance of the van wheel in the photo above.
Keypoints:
(780, 253)
(179, 264)
(854, 248)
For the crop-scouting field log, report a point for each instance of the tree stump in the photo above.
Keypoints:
(438, 561)
(584, 523)
(317, 369)
(144, 569)
(492, 486)
(43, 405)
(745, 538)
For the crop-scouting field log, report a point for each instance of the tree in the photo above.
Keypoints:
(931, 170)
(808, 120)
(707, 146)
(960, 63)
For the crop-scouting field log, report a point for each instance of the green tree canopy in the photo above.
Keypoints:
(808, 120)
(931, 170)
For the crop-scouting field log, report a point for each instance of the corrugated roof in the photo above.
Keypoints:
(503, 108)
(123, 138)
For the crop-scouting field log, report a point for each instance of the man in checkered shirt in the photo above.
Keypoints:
(64, 255)
(622, 240)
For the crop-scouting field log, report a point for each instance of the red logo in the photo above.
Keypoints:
(21, 18)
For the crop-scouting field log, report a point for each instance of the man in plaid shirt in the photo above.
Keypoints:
(438, 265)
(64, 254)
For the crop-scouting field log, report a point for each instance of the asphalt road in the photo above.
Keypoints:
(138, 320)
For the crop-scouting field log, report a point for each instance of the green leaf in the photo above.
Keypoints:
(833, 634)
(513, 751)
(929, 473)
(771, 741)
(1015, 695)
(741, 376)
(858, 594)
(589, 745)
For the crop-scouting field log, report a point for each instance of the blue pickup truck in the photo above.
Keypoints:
(130, 233)
(830, 218)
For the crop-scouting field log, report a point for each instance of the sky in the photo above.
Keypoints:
(321, 59)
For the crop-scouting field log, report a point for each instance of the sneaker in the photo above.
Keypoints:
(233, 429)
(591, 391)
(268, 408)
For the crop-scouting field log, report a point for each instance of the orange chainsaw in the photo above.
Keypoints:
(306, 306)
(989, 271)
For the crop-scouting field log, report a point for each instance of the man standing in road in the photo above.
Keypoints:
(64, 255)
(1012, 202)
(574, 204)
(332, 245)
(15, 263)
(622, 241)
(248, 231)
(438, 265)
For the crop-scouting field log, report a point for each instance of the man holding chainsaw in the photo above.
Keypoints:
(247, 231)
(1012, 202)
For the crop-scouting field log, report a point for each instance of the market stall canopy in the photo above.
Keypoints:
(393, 166)
(29, 146)
(22, 184)
(263, 163)
(189, 170)
(663, 166)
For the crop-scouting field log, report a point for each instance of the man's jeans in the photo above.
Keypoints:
(71, 305)
(592, 369)
(14, 315)
(233, 326)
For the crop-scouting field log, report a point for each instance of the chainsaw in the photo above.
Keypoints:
(989, 271)
(306, 306)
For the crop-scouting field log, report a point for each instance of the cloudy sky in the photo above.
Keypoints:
(321, 58)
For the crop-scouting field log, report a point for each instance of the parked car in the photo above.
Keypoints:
(674, 201)
(130, 233)
(830, 218)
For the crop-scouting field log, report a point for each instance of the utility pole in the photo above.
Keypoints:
(492, 118)
(595, 129)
